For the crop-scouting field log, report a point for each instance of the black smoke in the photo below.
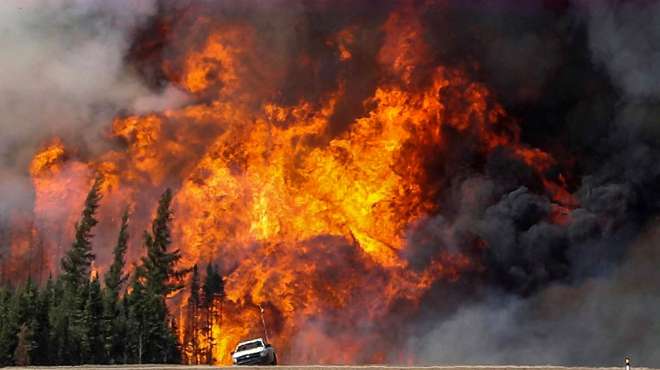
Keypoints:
(579, 78)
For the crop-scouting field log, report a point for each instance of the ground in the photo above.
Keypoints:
(324, 367)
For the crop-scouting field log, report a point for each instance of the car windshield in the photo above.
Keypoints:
(249, 346)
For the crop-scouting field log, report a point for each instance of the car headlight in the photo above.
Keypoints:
(264, 353)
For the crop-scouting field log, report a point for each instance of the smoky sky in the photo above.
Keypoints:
(580, 78)
(63, 73)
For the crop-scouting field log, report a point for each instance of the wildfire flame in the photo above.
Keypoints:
(310, 226)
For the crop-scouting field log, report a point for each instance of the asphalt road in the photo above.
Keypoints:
(327, 367)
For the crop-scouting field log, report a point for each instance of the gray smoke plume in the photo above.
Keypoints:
(584, 293)
(598, 321)
(580, 77)
(62, 72)
(624, 38)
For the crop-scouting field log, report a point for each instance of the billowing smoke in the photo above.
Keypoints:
(584, 292)
(563, 261)
(63, 73)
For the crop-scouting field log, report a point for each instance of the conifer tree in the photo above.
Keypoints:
(213, 284)
(8, 326)
(93, 340)
(77, 262)
(161, 275)
(40, 354)
(60, 337)
(69, 317)
(78, 324)
(161, 278)
(135, 321)
(115, 276)
(18, 310)
(26, 311)
(114, 323)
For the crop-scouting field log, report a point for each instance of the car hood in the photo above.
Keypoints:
(248, 352)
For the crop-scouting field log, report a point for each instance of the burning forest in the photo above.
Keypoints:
(362, 182)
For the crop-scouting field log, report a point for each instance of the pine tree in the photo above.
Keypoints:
(93, 313)
(79, 346)
(161, 279)
(77, 262)
(115, 276)
(60, 348)
(70, 317)
(8, 326)
(18, 309)
(26, 307)
(159, 265)
(40, 354)
(114, 323)
(28, 304)
(213, 284)
(135, 321)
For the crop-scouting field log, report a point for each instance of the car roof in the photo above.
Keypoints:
(251, 341)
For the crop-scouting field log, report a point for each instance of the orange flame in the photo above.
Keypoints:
(311, 227)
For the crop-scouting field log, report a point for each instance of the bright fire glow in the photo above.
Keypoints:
(312, 227)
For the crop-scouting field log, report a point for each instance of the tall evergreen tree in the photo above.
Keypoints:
(114, 322)
(73, 320)
(161, 277)
(69, 317)
(213, 284)
(93, 341)
(40, 354)
(29, 311)
(115, 276)
(77, 262)
(18, 312)
(134, 304)
(60, 336)
(8, 326)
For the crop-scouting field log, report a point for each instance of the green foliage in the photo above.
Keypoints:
(92, 317)
(78, 260)
(73, 319)
(40, 354)
(159, 266)
(8, 326)
(157, 278)
(114, 316)
(115, 276)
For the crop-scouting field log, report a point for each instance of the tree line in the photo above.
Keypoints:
(75, 318)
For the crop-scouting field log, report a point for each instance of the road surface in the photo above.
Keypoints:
(323, 367)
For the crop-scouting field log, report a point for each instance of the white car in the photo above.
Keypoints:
(254, 352)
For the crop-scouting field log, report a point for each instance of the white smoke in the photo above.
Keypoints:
(63, 72)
